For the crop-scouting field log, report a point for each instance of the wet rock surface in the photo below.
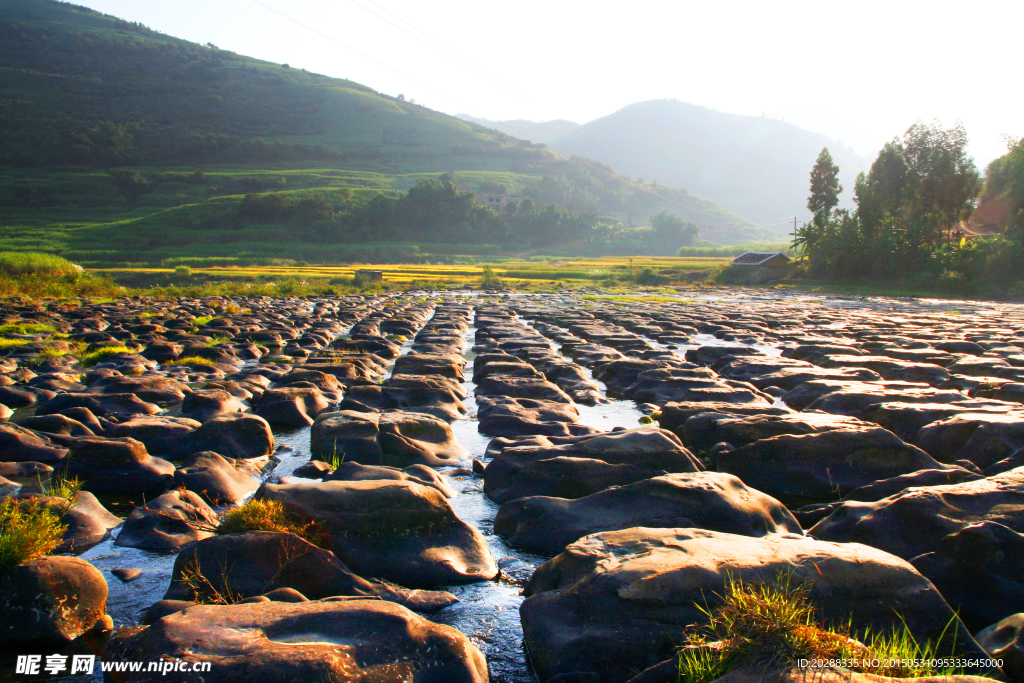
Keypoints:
(416, 427)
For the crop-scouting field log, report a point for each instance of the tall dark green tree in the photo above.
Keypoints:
(825, 188)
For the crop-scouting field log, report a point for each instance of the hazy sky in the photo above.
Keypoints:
(861, 72)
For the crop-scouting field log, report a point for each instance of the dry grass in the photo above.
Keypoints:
(270, 515)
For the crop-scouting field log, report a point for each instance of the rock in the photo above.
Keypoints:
(674, 415)
(977, 570)
(787, 379)
(167, 522)
(890, 487)
(125, 574)
(157, 389)
(57, 424)
(116, 466)
(291, 406)
(239, 435)
(349, 434)
(396, 530)
(445, 365)
(343, 640)
(314, 469)
(218, 480)
(647, 448)
(983, 439)
(87, 520)
(53, 599)
(204, 404)
(521, 387)
(703, 500)
(162, 435)
(1004, 641)
(817, 467)
(704, 430)
(418, 474)
(616, 602)
(102, 405)
(258, 562)
(18, 444)
(5, 413)
(850, 398)
(891, 368)
(563, 477)
(905, 420)
(915, 521)
(838, 675)
(85, 417)
(1013, 462)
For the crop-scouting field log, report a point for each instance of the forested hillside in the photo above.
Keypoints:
(121, 142)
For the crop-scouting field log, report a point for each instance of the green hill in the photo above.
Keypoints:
(122, 143)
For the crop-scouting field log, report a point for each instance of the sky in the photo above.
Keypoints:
(861, 72)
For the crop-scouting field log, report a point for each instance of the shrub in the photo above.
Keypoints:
(17, 264)
(28, 530)
(489, 278)
(183, 271)
(271, 515)
(770, 626)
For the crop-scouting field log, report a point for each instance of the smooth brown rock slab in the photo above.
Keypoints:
(916, 520)
(54, 599)
(615, 603)
(395, 530)
(370, 641)
(705, 500)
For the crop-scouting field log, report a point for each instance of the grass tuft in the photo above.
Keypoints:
(25, 328)
(99, 355)
(11, 343)
(28, 530)
(271, 515)
(192, 360)
(770, 626)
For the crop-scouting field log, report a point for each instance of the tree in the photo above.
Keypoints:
(673, 232)
(825, 188)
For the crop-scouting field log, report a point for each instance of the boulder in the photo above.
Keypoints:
(418, 474)
(88, 522)
(850, 398)
(18, 444)
(824, 465)
(217, 479)
(163, 391)
(890, 487)
(905, 420)
(204, 404)
(521, 387)
(702, 500)
(162, 435)
(981, 438)
(239, 435)
(103, 405)
(116, 466)
(444, 365)
(977, 570)
(1005, 641)
(916, 520)
(54, 599)
(702, 431)
(349, 435)
(615, 603)
(57, 424)
(674, 415)
(337, 640)
(564, 477)
(168, 522)
(291, 406)
(258, 562)
(395, 530)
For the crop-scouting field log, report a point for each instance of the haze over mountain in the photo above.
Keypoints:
(757, 167)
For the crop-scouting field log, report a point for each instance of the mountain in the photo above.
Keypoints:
(757, 167)
(535, 131)
(121, 143)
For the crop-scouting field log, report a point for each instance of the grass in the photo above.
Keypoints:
(97, 356)
(192, 360)
(50, 352)
(770, 626)
(203, 320)
(204, 591)
(28, 530)
(215, 341)
(10, 343)
(25, 328)
(270, 515)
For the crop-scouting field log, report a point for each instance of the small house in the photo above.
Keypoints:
(762, 266)
(370, 275)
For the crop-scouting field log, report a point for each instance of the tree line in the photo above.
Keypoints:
(912, 209)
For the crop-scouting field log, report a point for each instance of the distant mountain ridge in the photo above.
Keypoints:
(757, 167)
